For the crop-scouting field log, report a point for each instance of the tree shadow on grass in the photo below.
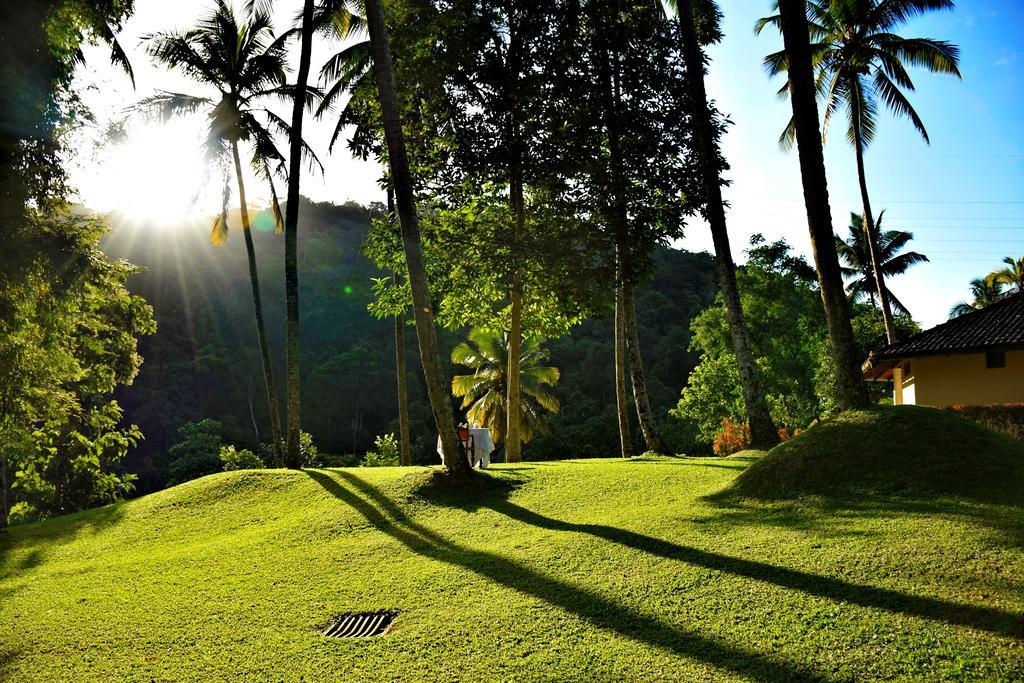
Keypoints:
(597, 609)
(825, 515)
(958, 614)
(26, 546)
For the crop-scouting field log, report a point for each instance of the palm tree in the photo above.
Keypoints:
(244, 64)
(486, 391)
(1013, 274)
(401, 178)
(291, 238)
(859, 59)
(985, 290)
(855, 253)
(706, 14)
(849, 381)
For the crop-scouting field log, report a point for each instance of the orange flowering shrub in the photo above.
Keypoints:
(732, 437)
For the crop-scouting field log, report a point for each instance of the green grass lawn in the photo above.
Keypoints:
(586, 570)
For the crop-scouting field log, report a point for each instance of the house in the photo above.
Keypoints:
(975, 359)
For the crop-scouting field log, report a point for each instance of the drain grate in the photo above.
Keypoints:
(363, 625)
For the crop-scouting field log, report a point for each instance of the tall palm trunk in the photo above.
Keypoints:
(762, 429)
(513, 440)
(872, 236)
(644, 414)
(291, 238)
(621, 402)
(257, 302)
(454, 456)
(849, 381)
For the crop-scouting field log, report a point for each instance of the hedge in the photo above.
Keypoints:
(1007, 418)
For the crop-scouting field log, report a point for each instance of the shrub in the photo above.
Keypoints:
(197, 452)
(239, 460)
(1006, 418)
(309, 455)
(385, 453)
(732, 437)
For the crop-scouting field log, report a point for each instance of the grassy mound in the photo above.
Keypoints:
(904, 450)
(606, 570)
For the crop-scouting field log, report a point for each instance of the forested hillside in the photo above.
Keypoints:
(202, 362)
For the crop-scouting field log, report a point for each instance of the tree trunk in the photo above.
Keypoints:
(257, 303)
(621, 402)
(762, 429)
(5, 502)
(513, 440)
(403, 391)
(626, 343)
(849, 381)
(400, 369)
(871, 233)
(454, 456)
(291, 239)
(652, 439)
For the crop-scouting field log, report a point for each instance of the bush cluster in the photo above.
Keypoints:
(1006, 418)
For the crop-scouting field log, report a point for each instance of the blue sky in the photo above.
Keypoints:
(962, 196)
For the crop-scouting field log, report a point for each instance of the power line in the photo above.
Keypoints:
(881, 203)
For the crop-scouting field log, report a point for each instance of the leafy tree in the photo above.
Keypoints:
(242, 61)
(71, 341)
(485, 392)
(859, 59)
(40, 46)
(789, 339)
(855, 253)
(706, 15)
(1013, 274)
(781, 302)
(985, 291)
(197, 452)
(643, 170)
(793, 23)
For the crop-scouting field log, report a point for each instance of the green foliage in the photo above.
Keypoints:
(783, 309)
(309, 455)
(197, 452)
(485, 391)
(243, 459)
(70, 341)
(860, 61)
(985, 290)
(386, 452)
(856, 254)
(712, 394)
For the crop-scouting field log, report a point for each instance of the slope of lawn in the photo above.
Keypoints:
(904, 450)
(581, 570)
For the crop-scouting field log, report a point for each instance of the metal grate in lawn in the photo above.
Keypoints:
(362, 625)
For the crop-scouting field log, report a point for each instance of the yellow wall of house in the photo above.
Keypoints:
(964, 379)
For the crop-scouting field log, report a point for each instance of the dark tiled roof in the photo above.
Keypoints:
(998, 326)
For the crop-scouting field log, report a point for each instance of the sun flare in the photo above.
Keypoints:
(158, 174)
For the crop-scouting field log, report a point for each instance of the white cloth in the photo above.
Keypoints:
(482, 447)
